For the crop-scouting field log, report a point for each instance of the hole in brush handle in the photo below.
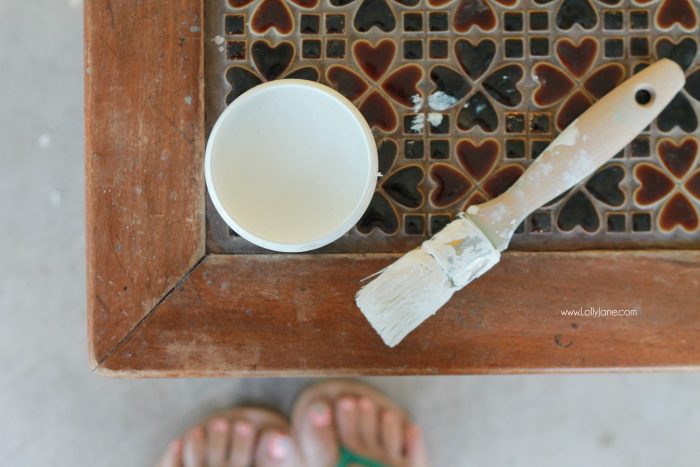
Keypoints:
(644, 96)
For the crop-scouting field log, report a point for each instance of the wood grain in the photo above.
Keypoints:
(157, 307)
(144, 140)
(260, 315)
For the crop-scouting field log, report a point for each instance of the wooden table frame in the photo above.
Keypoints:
(159, 305)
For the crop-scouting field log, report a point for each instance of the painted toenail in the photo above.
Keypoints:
(347, 405)
(176, 446)
(414, 431)
(390, 416)
(219, 425)
(243, 429)
(320, 414)
(279, 447)
(366, 404)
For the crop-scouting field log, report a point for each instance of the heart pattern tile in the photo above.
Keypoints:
(462, 95)
(374, 59)
(478, 159)
(450, 185)
(473, 13)
(272, 61)
(475, 58)
(577, 58)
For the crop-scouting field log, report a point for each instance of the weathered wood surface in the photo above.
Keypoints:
(156, 308)
(293, 315)
(144, 132)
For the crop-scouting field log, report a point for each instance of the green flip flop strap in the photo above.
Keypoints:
(347, 458)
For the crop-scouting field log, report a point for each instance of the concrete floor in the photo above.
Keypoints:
(54, 411)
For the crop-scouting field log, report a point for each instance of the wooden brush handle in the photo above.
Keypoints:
(591, 140)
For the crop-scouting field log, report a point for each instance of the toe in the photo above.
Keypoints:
(217, 442)
(368, 423)
(173, 455)
(392, 435)
(274, 450)
(317, 436)
(415, 447)
(347, 421)
(242, 444)
(193, 448)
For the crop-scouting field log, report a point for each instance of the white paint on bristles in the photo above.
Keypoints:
(417, 285)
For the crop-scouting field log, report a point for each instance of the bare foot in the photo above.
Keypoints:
(243, 437)
(334, 414)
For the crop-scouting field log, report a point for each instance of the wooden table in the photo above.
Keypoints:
(161, 305)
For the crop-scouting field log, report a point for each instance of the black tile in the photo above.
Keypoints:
(512, 21)
(537, 147)
(613, 20)
(541, 222)
(515, 123)
(335, 48)
(539, 123)
(235, 50)
(641, 222)
(335, 24)
(439, 149)
(413, 50)
(438, 222)
(616, 223)
(539, 46)
(413, 149)
(234, 24)
(639, 47)
(513, 48)
(515, 148)
(614, 48)
(539, 21)
(639, 19)
(414, 225)
(412, 22)
(438, 21)
(640, 147)
(309, 24)
(311, 48)
(439, 48)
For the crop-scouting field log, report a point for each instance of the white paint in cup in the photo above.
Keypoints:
(291, 165)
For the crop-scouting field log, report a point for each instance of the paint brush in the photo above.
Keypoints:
(413, 288)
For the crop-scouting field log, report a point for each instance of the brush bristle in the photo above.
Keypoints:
(404, 295)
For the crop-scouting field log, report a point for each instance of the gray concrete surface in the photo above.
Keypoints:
(54, 411)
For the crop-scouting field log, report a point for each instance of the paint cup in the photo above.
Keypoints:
(291, 165)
